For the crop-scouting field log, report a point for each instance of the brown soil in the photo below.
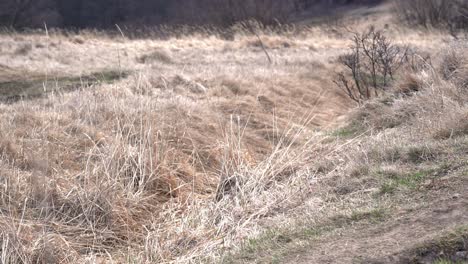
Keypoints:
(408, 236)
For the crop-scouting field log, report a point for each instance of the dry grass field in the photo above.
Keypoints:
(197, 149)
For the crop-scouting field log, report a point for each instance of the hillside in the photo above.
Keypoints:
(211, 146)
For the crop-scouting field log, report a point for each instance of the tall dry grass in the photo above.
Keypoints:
(176, 163)
(105, 176)
(197, 150)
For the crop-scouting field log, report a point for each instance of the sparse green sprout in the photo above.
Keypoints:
(395, 182)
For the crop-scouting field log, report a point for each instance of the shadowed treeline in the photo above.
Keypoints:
(107, 13)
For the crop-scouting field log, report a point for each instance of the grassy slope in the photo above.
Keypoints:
(131, 168)
(397, 193)
(205, 145)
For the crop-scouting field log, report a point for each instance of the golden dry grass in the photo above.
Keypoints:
(398, 166)
(202, 146)
(174, 163)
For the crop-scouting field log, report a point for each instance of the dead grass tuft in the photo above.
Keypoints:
(409, 84)
(52, 248)
(13, 248)
(452, 126)
(157, 56)
(78, 40)
(235, 86)
(420, 154)
(23, 49)
(377, 115)
(454, 65)
(269, 42)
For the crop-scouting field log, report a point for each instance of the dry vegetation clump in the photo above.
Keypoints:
(269, 42)
(427, 127)
(200, 147)
(172, 162)
(409, 84)
(24, 49)
(454, 64)
(107, 189)
(405, 141)
(432, 94)
(161, 56)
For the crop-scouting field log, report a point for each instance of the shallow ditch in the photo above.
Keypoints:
(35, 87)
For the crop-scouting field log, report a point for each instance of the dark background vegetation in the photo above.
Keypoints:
(450, 15)
(104, 14)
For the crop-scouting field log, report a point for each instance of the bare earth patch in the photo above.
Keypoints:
(388, 242)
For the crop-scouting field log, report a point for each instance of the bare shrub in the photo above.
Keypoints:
(370, 65)
(437, 106)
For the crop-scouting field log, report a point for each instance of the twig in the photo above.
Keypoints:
(263, 47)
(251, 29)
(120, 30)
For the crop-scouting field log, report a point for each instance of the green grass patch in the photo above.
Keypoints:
(420, 154)
(274, 245)
(348, 131)
(353, 129)
(27, 88)
(344, 132)
(395, 182)
(447, 261)
(374, 215)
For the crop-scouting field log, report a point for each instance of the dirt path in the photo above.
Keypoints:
(397, 240)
